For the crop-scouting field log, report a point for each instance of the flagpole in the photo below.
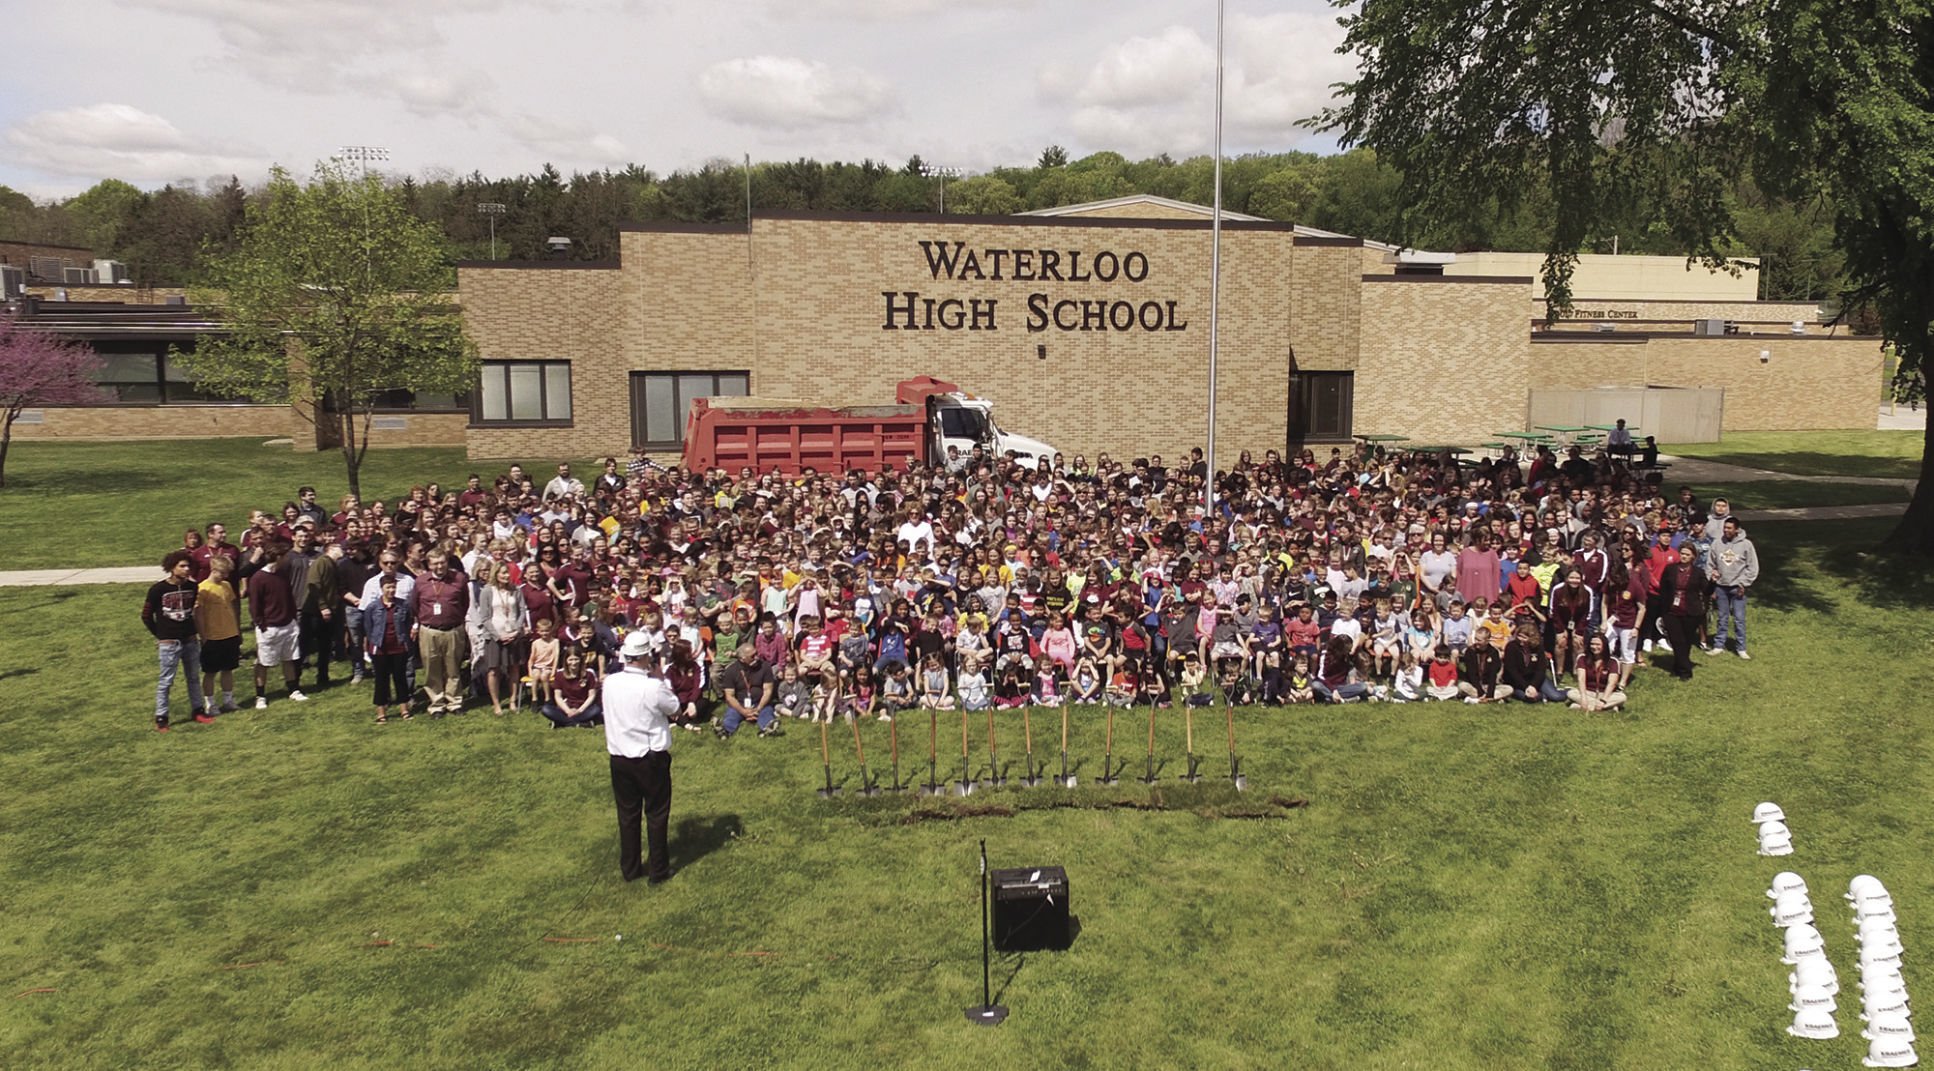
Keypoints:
(1215, 274)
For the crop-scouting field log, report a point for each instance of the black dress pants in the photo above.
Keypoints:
(643, 788)
(1681, 632)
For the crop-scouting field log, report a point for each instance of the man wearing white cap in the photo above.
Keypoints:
(638, 705)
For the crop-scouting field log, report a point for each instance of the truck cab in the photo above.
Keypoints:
(958, 422)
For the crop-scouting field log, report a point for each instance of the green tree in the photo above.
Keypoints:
(1668, 103)
(1052, 156)
(334, 295)
(983, 195)
(1284, 194)
(104, 212)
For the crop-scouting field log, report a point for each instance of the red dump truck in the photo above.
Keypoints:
(790, 435)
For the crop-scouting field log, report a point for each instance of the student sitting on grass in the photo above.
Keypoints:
(934, 691)
(1440, 681)
(1087, 683)
(574, 695)
(795, 696)
(1598, 678)
(1301, 684)
(973, 689)
(897, 690)
(859, 694)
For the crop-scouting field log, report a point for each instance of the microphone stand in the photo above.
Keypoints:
(986, 1013)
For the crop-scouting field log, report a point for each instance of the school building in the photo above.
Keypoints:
(1088, 327)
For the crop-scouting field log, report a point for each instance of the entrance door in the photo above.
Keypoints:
(1320, 406)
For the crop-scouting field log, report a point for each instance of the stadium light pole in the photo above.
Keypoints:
(943, 174)
(491, 210)
(364, 155)
(1215, 272)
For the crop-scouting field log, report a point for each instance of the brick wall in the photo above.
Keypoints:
(800, 304)
(1679, 315)
(126, 295)
(1806, 384)
(1442, 360)
(156, 422)
(1325, 286)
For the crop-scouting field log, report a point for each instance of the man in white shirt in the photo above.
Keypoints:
(638, 705)
(915, 530)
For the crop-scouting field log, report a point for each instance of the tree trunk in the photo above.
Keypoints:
(351, 458)
(6, 440)
(1915, 533)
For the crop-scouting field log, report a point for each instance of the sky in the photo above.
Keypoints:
(160, 91)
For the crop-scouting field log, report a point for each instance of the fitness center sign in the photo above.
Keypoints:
(910, 310)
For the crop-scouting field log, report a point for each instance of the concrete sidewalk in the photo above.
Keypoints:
(132, 574)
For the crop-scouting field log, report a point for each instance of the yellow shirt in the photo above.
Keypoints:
(217, 606)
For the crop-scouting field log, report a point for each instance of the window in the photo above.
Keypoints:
(1321, 404)
(661, 400)
(524, 392)
(411, 401)
(146, 377)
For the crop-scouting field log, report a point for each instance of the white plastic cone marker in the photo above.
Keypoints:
(1802, 942)
(1813, 972)
(1862, 884)
(1889, 1026)
(1890, 1052)
(1768, 812)
(1812, 997)
(1873, 1005)
(1816, 1023)
(1784, 882)
(1791, 909)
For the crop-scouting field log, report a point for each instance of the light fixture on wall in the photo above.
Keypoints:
(1765, 356)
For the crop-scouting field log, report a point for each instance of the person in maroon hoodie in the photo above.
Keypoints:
(687, 679)
(272, 609)
(169, 614)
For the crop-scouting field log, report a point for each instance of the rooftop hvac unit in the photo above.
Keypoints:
(13, 282)
(77, 276)
(175, 299)
(110, 271)
(47, 268)
(1708, 328)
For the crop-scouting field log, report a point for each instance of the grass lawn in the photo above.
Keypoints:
(1788, 494)
(1504, 887)
(1889, 454)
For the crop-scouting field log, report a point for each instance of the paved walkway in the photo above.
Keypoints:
(133, 574)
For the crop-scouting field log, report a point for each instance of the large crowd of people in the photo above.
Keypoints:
(1361, 574)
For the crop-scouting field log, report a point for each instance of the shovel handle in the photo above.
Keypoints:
(933, 734)
(1111, 731)
(1027, 730)
(858, 747)
(893, 737)
(963, 736)
(1151, 732)
(1064, 727)
(1231, 711)
(1188, 728)
(825, 750)
(992, 749)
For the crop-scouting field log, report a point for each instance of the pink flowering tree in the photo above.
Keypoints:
(37, 368)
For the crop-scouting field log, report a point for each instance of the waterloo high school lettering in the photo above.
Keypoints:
(911, 310)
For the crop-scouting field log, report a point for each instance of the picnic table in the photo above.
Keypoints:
(1454, 451)
(1524, 436)
(1608, 428)
(1382, 438)
(1563, 429)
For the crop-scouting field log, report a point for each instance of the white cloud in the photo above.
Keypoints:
(779, 91)
(884, 9)
(463, 94)
(1154, 93)
(121, 140)
(573, 142)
